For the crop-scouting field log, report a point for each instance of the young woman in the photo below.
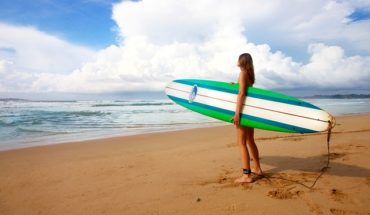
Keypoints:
(245, 135)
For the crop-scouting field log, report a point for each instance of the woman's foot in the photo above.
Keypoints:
(244, 179)
(257, 171)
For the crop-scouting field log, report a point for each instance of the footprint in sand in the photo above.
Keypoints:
(283, 193)
(335, 155)
(222, 179)
(337, 195)
(337, 211)
(314, 208)
(368, 181)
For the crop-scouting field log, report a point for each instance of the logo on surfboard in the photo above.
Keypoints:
(193, 93)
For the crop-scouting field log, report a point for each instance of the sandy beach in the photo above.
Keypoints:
(191, 172)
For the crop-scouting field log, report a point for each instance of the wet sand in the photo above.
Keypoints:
(191, 172)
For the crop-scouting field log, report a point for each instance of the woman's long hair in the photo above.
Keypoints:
(246, 63)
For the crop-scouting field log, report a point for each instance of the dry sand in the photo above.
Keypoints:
(191, 172)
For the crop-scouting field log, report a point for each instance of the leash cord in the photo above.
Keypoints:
(322, 171)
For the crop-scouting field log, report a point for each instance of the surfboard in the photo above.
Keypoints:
(263, 109)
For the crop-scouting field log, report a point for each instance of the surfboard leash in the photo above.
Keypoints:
(326, 167)
(322, 171)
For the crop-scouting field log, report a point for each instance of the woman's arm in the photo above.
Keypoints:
(241, 97)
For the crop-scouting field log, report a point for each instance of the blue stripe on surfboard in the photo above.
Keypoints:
(254, 95)
(245, 116)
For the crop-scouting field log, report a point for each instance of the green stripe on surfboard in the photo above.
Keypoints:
(251, 91)
(227, 117)
(235, 88)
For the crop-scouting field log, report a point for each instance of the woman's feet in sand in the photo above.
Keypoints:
(246, 178)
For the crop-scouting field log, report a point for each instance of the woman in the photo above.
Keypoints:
(245, 135)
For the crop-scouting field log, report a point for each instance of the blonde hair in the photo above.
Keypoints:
(245, 62)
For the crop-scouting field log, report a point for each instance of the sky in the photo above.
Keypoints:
(124, 47)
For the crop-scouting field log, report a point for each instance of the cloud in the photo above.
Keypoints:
(27, 54)
(12, 79)
(328, 68)
(165, 40)
(277, 21)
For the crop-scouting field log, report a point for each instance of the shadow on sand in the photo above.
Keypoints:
(314, 164)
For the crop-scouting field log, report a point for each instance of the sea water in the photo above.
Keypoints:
(340, 107)
(31, 123)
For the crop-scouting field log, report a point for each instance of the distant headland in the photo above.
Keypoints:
(339, 96)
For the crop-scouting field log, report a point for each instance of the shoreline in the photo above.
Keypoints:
(107, 136)
(191, 171)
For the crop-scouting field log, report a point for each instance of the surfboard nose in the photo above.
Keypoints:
(167, 88)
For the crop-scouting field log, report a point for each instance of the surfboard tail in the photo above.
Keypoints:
(332, 122)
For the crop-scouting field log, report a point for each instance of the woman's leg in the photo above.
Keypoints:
(254, 151)
(241, 135)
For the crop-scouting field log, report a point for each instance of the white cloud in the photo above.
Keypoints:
(164, 40)
(12, 80)
(27, 54)
(329, 66)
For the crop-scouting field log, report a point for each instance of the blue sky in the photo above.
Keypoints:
(110, 46)
(89, 22)
(360, 14)
(86, 22)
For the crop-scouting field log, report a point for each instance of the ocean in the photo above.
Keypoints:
(31, 123)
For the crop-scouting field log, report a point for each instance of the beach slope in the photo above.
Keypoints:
(191, 172)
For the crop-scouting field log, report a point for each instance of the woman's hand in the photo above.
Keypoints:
(236, 119)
